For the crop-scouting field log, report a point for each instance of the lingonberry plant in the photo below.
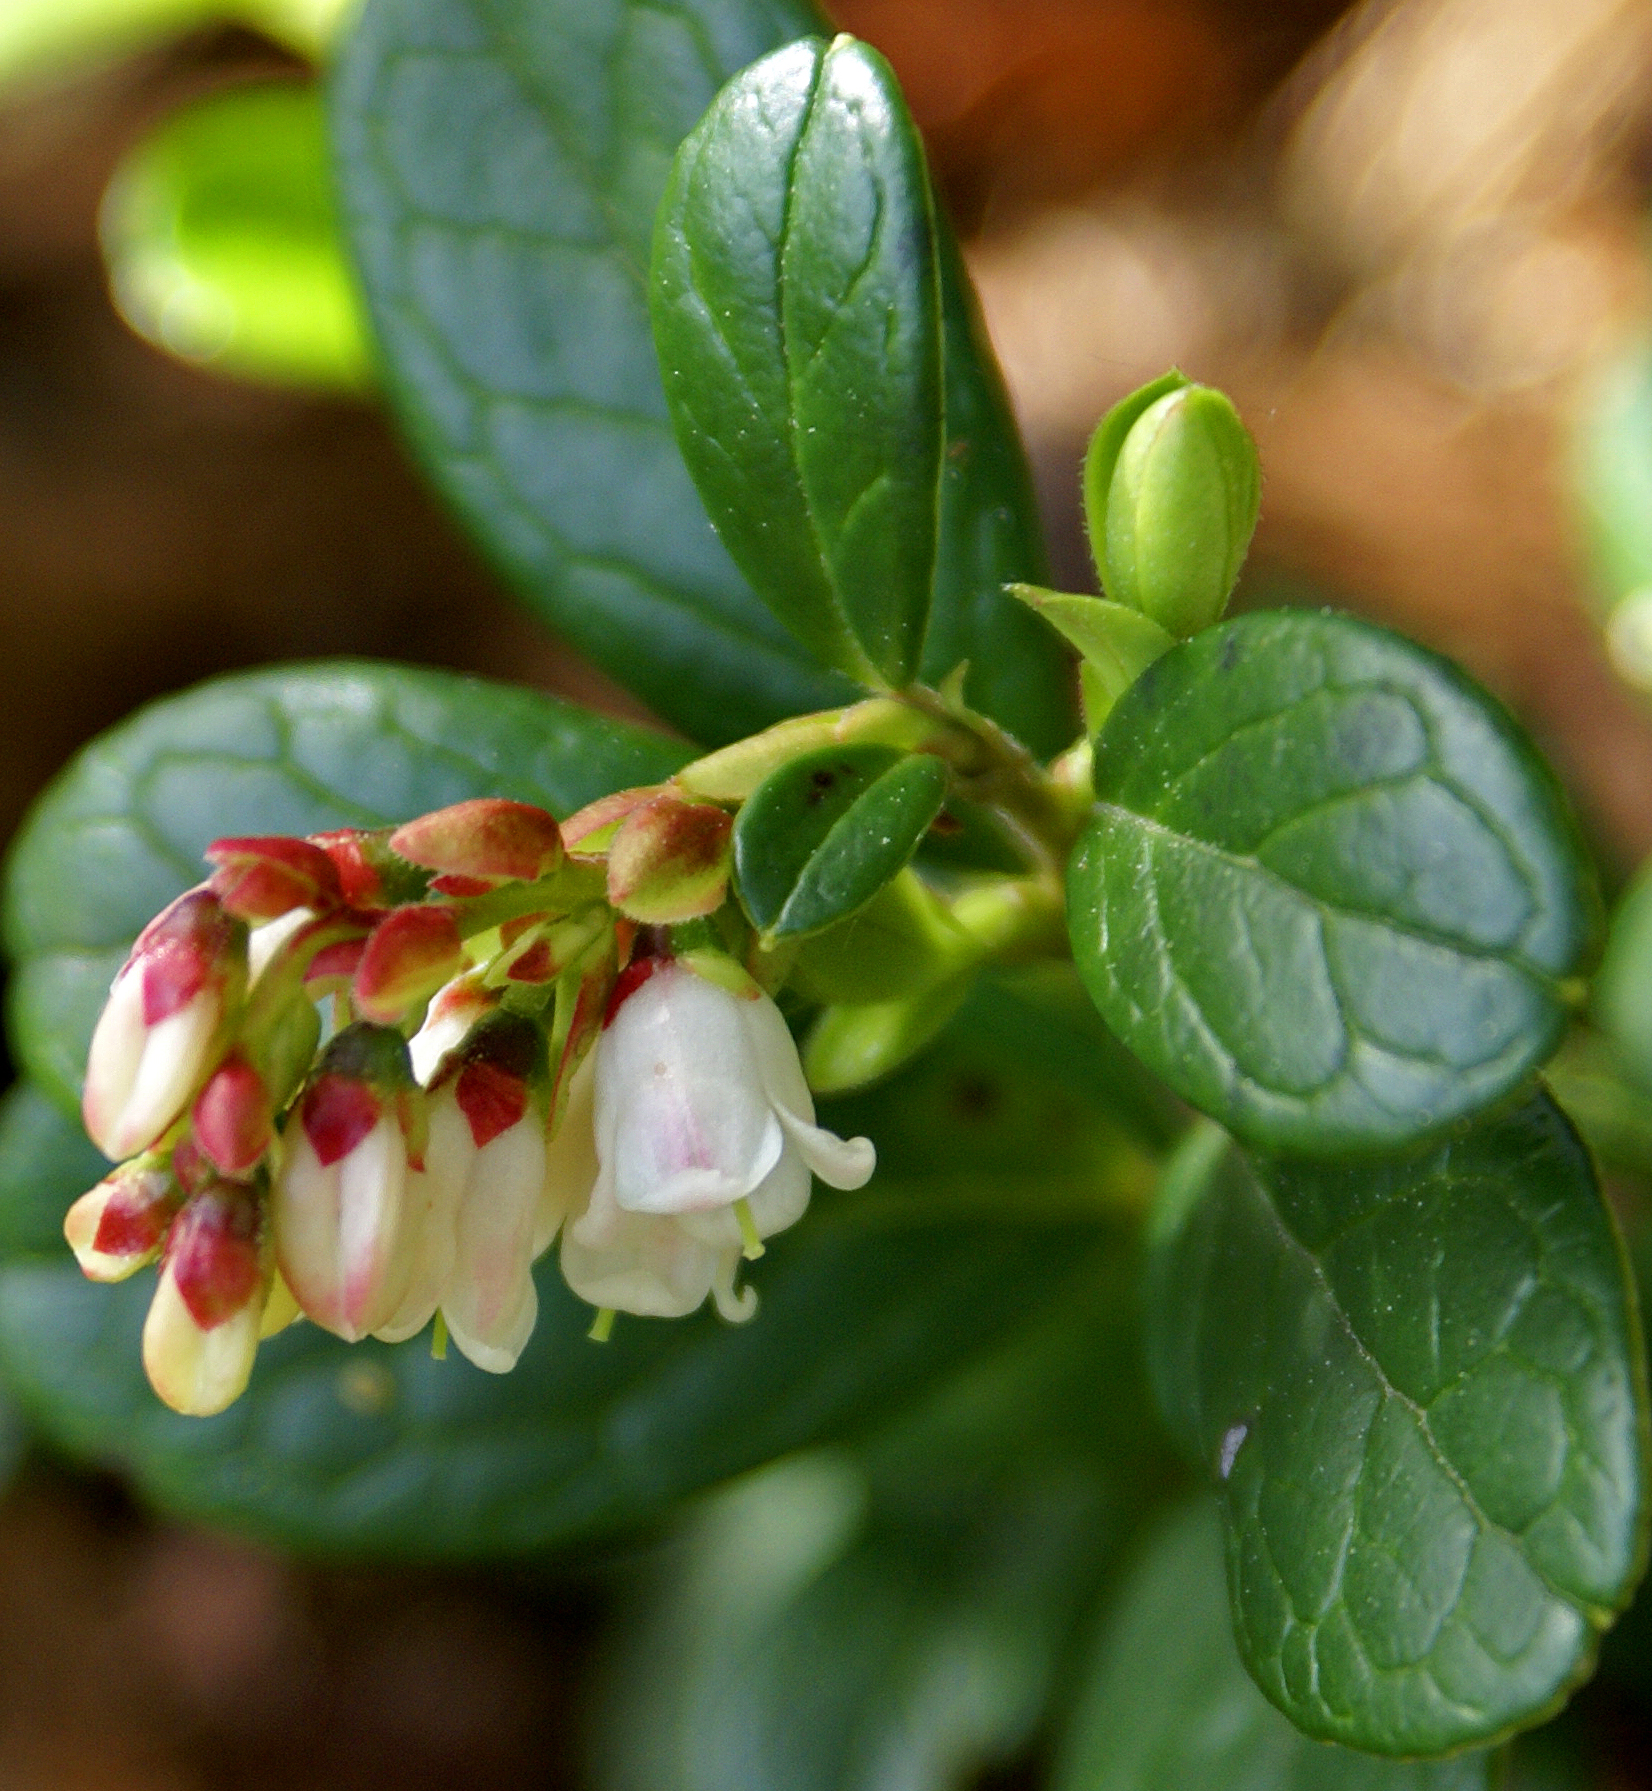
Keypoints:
(449, 978)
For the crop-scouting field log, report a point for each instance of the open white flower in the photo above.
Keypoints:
(705, 1140)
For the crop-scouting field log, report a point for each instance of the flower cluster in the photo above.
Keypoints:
(369, 1077)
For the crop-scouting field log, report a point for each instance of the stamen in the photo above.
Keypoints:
(748, 1230)
(602, 1326)
(438, 1337)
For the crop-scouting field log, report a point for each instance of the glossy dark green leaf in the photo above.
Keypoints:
(1330, 893)
(1166, 1704)
(900, 1616)
(501, 162)
(991, 536)
(822, 835)
(371, 1450)
(287, 751)
(1418, 1386)
(222, 244)
(797, 312)
(43, 1155)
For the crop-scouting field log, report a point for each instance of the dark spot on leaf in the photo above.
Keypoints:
(976, 1097)
(1230, 653)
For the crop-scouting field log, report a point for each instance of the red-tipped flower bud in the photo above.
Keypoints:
(489, 839)
(232, 1118)
(410, 954)
(589, 832)
(262, 879)
(201, 1335)
(165, 1016)
(487, 1150)
(120, 1225)
(346, 1186)
(669, 861)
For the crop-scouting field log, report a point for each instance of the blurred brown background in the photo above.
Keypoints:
(1405, 236)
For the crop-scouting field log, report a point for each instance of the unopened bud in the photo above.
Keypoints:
(1172, 488)
(670, 860)
(232, 1118)
(487, 1141)
(201, 1335)
(164, 1018)
(342, 1193)
(119, 1226)
(369, 873)
(589, 831)
(263, 879)
(487, 841)
(453, 1011)
(409, 955)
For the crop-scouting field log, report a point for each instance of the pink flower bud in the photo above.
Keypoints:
(590, 832)
(345, 1188)
(262, 879)
(232, 1119)
(669, 861)
(454, 1010)
(333, 969)
(201, 1334)
(489, 839)
(487, 1138)
(371, 876)
(120, 1225)
(166, 1013)
(410, 954)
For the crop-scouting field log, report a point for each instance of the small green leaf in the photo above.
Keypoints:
(1612, 463)
(294, 750)
(1166, 1706)
(222, 244)
(822, 835)
(1330, 893)
(500, 167)
(372, 1450)
(1419, 1388)
(1622, 992)
(50, 40)
(1118, 643)
(797, 312)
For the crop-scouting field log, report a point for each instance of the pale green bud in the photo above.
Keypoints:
(1172, 488)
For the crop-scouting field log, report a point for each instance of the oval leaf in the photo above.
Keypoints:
(1418, 1386)
(1166, 1706)
(796, 305)
(371, 1450)
(823, 834)
(222, 244)
(500, 166)
(1330, 891)
(294, 750)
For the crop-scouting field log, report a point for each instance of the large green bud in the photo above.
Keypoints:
(1171, 492)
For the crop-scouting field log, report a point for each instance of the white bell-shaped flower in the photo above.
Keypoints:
(705, 1140)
